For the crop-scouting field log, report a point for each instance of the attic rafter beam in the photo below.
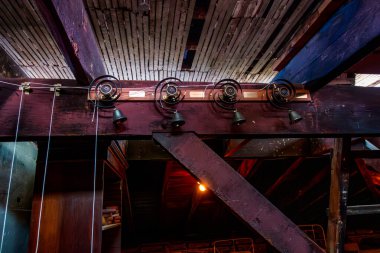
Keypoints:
(71, 29)
(349, 35)
(238, 194)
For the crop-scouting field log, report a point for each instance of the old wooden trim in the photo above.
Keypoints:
(71, 28)
(347, 37)
(338, 195)
(228, 185)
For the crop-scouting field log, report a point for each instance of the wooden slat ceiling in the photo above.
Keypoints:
(25, 38)
(194, 40)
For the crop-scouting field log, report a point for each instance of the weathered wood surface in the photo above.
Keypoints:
(335, 111)
(340, 174)
(228, 185)
(71, 28)
(348, 36)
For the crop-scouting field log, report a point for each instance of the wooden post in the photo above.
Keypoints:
(338, 196)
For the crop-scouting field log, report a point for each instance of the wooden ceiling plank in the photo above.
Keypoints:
(95, 15)
(30, 43)
(250, 48)
(332, 49)
(110, 17)
(218, 38)
(340, 175)
(124, 45)
(119, 45)
(205, 35)
(186, 28)
(157, 21)
(139, 32)
(178, 58)
(164, 31)
(242, 198)
(145, 27)
(131, 49)
(284, 32)
(12, 37)
(71, 28)
(174, 37)
(51, 46)
(267, 31)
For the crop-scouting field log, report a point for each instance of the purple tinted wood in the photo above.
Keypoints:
(237, 193)
(71, 28)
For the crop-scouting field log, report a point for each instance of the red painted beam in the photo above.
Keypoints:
(71, 28)
(335, 111)
(240, 196)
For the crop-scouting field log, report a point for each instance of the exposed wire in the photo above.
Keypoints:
(45, 171)
(94, 189)
(11, 172)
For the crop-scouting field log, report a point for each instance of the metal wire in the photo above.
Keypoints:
(11, 172)
(45, 172)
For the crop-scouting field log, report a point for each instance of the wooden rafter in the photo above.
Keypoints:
(333, 50)
(251, 206)
(71, 28)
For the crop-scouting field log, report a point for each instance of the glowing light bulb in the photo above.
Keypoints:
(202, 188)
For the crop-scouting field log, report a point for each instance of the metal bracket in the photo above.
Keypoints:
(57, 89)
(26, 88)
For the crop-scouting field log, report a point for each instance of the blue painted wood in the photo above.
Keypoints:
(351, 33)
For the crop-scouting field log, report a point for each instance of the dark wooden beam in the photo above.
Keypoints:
(240, 196)
(284, 176)
(307, 31)
(349, 35)
(71, 28)
(278, 147)
(338, 195)
(326, 116)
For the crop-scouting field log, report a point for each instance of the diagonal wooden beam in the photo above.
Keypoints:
(240, 196)
(338, 195)
(349, 35)
(71, 28)
(284, 176)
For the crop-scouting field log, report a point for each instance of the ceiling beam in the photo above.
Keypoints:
(326, 116)
(71, 29)
(238, 194)
(349, 35)
(278, 147)
(340, 175)
(312, 25)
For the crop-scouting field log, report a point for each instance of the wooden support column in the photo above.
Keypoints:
(71, 28)
(68, 198)
(349, 35)
(240, 196)
(338, 196)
